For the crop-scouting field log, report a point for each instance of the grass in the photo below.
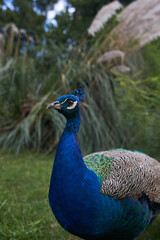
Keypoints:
(24, 209)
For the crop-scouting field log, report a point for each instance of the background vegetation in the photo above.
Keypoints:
(38, 63)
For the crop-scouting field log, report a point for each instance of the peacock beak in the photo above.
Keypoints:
(55, 105)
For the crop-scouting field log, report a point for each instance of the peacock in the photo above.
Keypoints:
(110, 195)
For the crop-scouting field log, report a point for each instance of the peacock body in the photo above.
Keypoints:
(108, 195)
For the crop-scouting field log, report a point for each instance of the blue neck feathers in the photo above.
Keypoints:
(73, 122)
(72, 184)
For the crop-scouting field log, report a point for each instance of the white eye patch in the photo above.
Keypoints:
(73, 105)
(64, 101)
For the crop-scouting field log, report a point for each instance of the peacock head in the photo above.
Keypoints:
(68, 104)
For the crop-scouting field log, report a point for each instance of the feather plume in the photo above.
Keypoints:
(111, 55)
(121, 69)
(103, 15)
(13, 28)
(30, 39)
(140, 20)
(23, 31)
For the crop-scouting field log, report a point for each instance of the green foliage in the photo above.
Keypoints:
(74, 27)
(25, 17)
(151, 59)
(84, 13)
(139, 105)
(21, 93)
(121, 112)
(71, 27)
(125, 2)
(114, 111)
(26, 123)
(62, 33)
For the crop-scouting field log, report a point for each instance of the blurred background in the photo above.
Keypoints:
(49, 48)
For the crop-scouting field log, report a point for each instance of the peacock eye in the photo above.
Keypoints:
(69, 102)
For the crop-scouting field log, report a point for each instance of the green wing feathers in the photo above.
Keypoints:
(100, 164)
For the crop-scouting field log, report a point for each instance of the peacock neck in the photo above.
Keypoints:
(74, 193)
(73, 122)
(68, 154)
(72, 184)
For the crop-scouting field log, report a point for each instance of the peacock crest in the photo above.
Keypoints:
(80, 94)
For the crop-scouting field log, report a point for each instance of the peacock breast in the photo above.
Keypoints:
(75, 200)
(83, 210)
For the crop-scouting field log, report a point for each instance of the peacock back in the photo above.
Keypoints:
(125, 173)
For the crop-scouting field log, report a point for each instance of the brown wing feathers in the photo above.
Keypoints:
(131, 175)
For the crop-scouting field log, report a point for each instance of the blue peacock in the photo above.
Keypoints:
(108, 195)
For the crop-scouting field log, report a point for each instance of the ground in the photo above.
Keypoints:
(24, 209)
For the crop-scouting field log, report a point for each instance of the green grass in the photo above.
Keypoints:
(24, 209)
